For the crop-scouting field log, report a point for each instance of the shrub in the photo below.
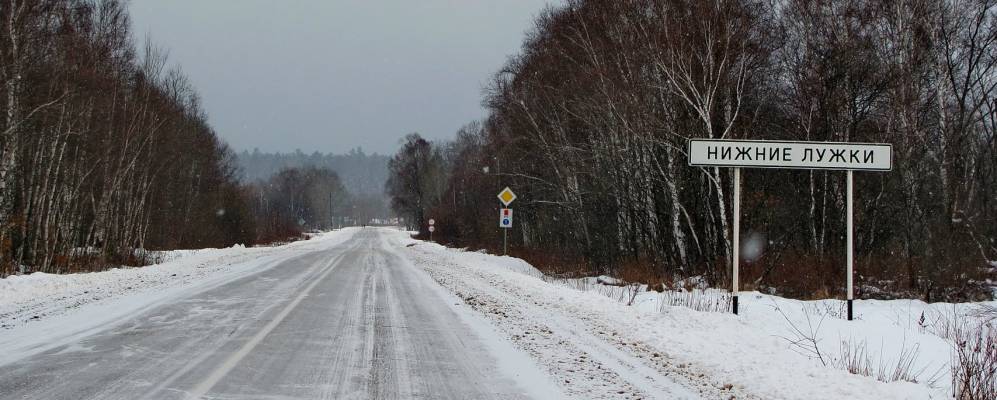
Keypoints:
(974, 362)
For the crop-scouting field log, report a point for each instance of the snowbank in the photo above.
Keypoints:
(764, 352)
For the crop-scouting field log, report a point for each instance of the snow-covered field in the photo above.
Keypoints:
(585, 333)
(40, 311)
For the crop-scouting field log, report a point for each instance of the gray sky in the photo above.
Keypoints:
(330, 75)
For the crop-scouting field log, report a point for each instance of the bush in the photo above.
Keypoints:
(974, 362)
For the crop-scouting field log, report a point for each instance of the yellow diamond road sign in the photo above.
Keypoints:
(507, 196)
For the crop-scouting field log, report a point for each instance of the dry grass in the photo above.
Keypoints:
(974, 361)
(855, 358)
(709, 300)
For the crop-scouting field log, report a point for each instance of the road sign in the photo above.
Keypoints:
(788, 154)
(432, 229)
(505, 218)
(506, 196)
(432, 222)
(739, 154)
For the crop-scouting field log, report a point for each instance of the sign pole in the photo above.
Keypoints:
(737, 236)
(506, 196)
(505, 242)
(851, 243)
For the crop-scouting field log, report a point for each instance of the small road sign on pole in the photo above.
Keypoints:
(505, 218)
(432, 222)
(505, 222)
(506, 196)
(739, 154)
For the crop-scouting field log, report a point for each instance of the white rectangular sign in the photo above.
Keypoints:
(788, 154)
(505, 218)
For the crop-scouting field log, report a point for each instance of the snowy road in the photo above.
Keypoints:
(354, 320)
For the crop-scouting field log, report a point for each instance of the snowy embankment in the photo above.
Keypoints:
(599, 347)
(42, 311)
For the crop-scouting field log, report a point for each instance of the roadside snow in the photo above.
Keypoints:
(508, 360)
(589, 361)
(598, 347)
(42, 311)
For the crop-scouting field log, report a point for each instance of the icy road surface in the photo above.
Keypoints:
(352, 320)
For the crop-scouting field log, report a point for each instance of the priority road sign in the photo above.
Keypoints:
(505, 218)
(506, 196)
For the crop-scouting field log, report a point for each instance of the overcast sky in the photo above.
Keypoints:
(330, 75)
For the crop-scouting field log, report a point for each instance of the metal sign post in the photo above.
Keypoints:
(850, 245)
(505, 222)
(506, 196)
(432, 228)
(739, 154)
(737, 239)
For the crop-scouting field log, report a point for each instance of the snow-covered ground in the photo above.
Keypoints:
(40, 311)
(351, 320)
(585, 333)
(595, 340)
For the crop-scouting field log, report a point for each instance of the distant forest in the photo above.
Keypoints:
(361, 173)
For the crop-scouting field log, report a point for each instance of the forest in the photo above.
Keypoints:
(362, 173)
(106, 150)
(589, 124)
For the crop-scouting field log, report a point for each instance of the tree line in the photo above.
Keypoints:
(300, 198)
(106, 149)
(589, 125)
(361, 173)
